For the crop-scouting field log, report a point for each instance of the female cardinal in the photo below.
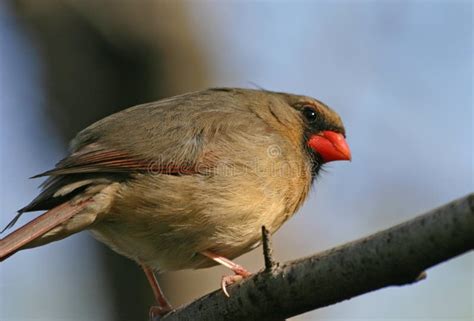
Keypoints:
(186, 182)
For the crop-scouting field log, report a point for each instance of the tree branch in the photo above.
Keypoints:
(396, 256)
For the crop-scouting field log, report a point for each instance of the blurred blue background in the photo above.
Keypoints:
(398, 72)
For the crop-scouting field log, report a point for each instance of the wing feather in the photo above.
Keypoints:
(110, 161)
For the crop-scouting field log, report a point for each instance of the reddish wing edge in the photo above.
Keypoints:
(36, 228)
(114, 161)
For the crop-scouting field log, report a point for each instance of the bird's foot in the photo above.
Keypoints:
(157, 312)
(240, 274)
(240, 271)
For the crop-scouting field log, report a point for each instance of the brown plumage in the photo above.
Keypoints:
(173, 183)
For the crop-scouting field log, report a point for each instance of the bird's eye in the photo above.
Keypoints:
(309, 113)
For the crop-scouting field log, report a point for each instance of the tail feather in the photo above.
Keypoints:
(38, 227)
(12, 222)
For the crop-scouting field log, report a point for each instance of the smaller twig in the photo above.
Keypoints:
(270, 264)
(423, 275)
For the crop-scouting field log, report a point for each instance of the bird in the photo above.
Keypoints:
(186, 182)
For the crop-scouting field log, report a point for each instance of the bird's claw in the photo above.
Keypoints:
(156, 312)
(231, 279)
(240, 271)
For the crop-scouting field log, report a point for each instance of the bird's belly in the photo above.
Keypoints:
(167, 231)
(168, 248)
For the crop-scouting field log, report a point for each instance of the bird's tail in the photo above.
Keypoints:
(53, 225)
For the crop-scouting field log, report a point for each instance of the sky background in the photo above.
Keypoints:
(398, 72)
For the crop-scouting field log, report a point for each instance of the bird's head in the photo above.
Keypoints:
(304, 120)
(323, 132)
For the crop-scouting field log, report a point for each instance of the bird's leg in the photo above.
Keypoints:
(240, 271)
(163, 306)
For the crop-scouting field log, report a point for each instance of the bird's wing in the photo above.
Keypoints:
(92, 165)
(102, 160)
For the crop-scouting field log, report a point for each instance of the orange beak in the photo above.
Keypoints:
(331, 146)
